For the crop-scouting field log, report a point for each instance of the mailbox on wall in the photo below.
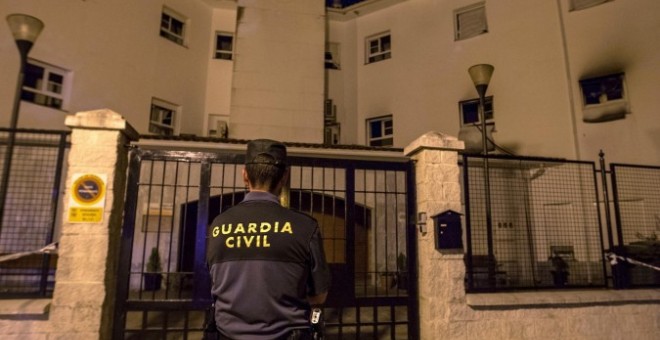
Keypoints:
(448, 230)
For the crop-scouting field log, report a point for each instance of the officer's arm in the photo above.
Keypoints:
(317, 300)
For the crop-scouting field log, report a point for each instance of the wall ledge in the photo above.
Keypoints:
(565, 298)
(24, 309)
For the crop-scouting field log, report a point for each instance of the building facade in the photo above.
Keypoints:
(571, 77)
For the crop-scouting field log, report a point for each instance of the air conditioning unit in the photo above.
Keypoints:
(471, 136)
(329, 112)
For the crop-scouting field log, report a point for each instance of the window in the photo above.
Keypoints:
(224, 46)
(380, 131)
(331, 127)
(576, 5)
(45, 84)
(162, 118)
(218, 126)
(332, 56)
(378, 47)
(469, 111)
(173, 26)
(601, 90)
(470, 21)
(604, 98)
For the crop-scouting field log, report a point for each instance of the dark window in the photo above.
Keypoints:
(469, 111)
(224, 46)
(380, 131)
(172, 27)
(379, 48)
(43, 85)
(600, 90)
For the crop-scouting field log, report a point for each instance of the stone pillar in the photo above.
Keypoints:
(438, 189)
(83, 300)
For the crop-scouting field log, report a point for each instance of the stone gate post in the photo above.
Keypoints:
(83, 299)
(438, 189)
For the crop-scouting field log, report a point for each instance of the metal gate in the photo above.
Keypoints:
(364, 208)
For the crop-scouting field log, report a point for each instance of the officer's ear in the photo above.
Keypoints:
(246, 179)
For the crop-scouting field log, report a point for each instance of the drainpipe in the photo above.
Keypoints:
(569, 81)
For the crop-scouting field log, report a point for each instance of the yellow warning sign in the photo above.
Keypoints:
(89, 215)
(87, 198)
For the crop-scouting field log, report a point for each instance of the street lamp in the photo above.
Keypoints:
(25, 29)
(480, 75)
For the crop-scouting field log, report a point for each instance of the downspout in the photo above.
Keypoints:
(569, 83)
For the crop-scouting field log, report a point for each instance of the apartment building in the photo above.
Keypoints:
(572, 77)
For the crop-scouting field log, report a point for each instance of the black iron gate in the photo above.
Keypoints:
(364, 208)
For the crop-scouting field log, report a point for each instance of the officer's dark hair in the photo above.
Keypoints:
(262, 173)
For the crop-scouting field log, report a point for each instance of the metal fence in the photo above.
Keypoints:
(636, 193)
(363, 209)
(30, 211)
(540, 227)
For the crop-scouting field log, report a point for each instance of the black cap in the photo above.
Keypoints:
(274, 149)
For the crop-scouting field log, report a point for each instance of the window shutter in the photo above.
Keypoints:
(471, 23)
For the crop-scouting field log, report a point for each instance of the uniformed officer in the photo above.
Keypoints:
(266, 262)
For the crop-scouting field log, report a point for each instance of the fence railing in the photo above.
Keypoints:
(546, 228)
(636, 193)
(30, 210)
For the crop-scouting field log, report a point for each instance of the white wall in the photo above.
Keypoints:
(118, 61)
(426, 77)
(278, 72)
(219, 77)
(538, 108)
(619, 36)
(117, 58)
(341, 85)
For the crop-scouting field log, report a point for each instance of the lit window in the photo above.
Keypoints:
(224, 46)
(380, 131)
(470, 21)
(378, 47)
(162, 118)
(45, 85)
(172, 26)
(576, 5)
(469, 111)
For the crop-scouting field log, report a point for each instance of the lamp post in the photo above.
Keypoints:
(25, 29)
(480, 75)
